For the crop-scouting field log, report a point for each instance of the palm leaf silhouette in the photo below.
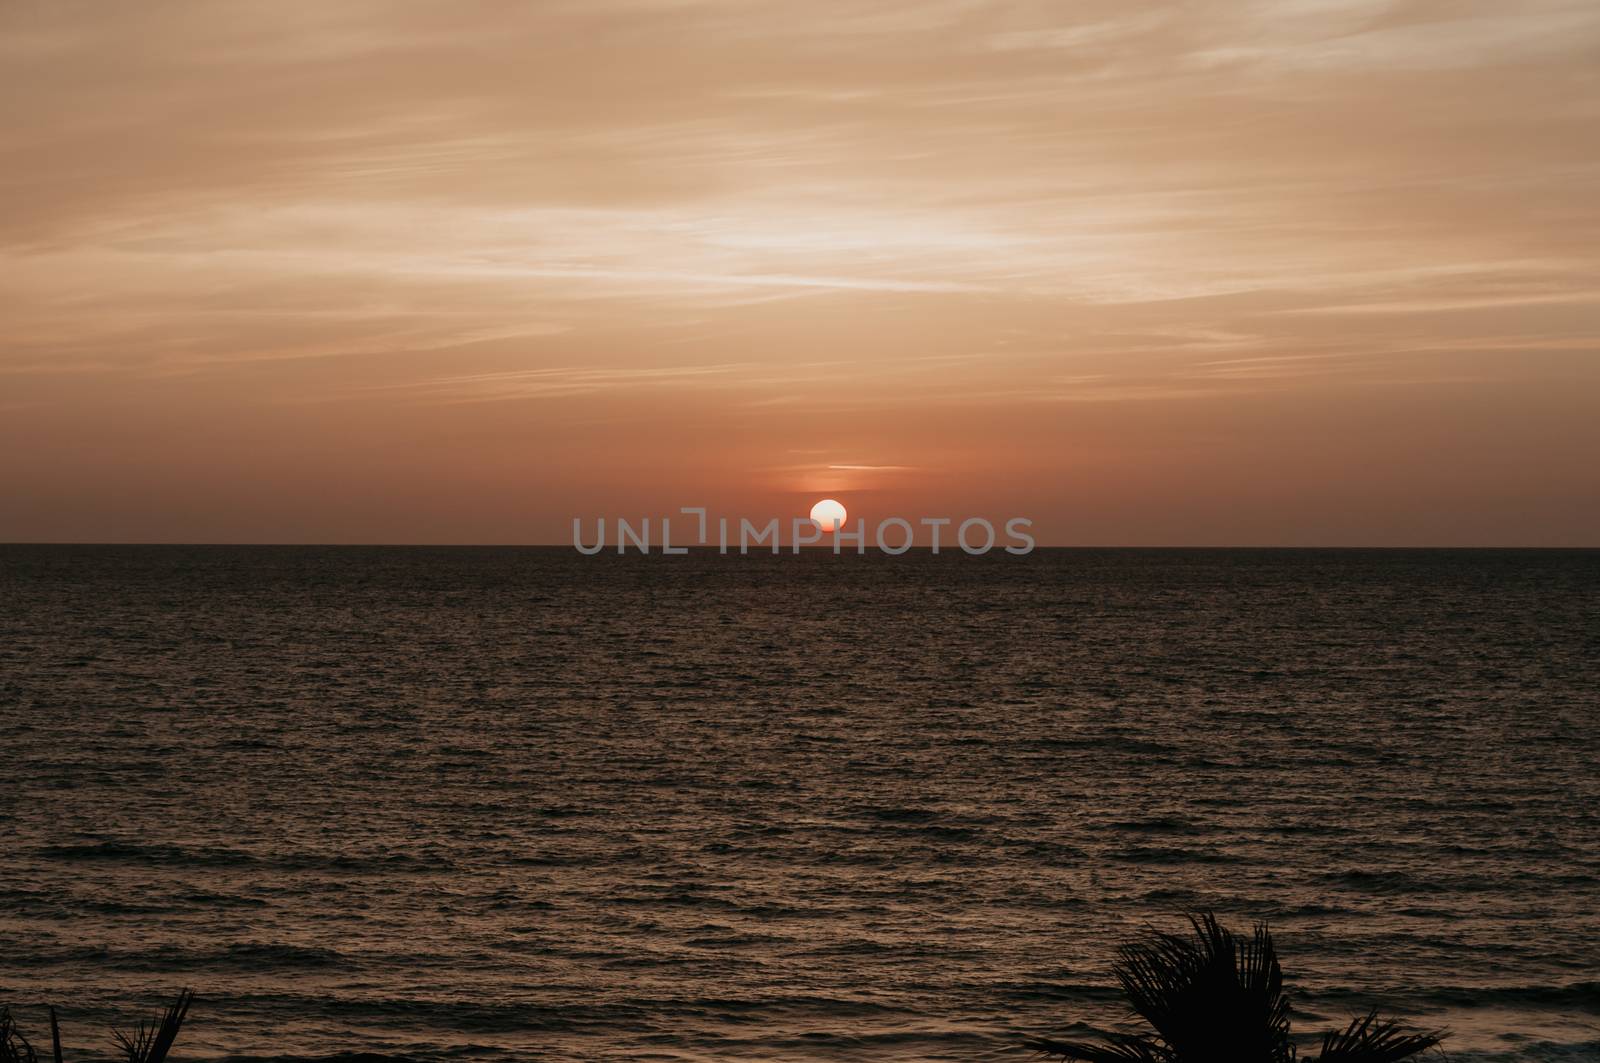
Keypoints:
(1373, 1040)
(14, 1048)
(151, 1043)
(1214, 996)
(1122, 1049)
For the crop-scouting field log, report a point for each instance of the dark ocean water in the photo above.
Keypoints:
(515, 804)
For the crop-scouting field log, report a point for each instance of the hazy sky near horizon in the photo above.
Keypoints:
(1307, 272)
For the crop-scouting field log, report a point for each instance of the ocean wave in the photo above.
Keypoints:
(1156, 854)
(146, 853)
(1580, 997)
(416, 1055)
(117, 851)
(1574, 996)
(1535, 1050)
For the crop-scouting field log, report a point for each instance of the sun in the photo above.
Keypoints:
(828, 514)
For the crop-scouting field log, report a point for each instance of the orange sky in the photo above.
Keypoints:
(1305, 272)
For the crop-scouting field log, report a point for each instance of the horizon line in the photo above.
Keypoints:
(785, 551)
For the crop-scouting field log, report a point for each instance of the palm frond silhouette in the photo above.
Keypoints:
(150, 1043)
(1214, 996)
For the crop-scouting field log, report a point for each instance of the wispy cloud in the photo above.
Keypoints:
(874, 468)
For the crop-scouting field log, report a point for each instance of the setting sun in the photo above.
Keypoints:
(828, 515)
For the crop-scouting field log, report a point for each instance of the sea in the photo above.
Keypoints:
(520, 804)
